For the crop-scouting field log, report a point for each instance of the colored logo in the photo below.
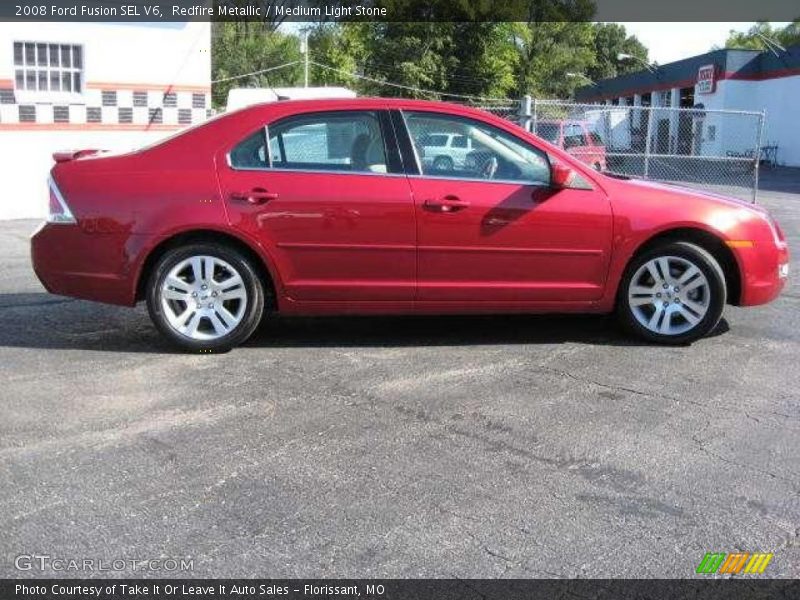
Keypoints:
(739, 562)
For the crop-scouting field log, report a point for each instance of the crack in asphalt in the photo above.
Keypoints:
(701, 445)
(657, 395)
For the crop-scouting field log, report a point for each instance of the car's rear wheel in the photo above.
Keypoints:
(672, 294)
(205, 297)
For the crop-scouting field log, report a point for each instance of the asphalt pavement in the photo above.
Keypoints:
(525, 446)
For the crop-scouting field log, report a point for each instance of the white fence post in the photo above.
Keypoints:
(757, 153)
(649, 133)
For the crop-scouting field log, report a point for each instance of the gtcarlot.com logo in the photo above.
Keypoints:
(45, 562)
(733, 564)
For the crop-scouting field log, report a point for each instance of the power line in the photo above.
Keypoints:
(364, 77)
(289, 64)
(385, 69)
(406, 87)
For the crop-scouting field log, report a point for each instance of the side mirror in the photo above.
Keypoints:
(560, 175)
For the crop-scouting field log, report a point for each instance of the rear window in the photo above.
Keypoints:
(250, 152)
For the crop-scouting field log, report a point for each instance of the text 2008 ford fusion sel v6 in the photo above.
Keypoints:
(333, 207)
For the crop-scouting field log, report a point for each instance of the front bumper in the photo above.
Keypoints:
(764, 268)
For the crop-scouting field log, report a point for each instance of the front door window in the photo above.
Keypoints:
(477, 150)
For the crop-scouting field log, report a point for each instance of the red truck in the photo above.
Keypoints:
(576, 137)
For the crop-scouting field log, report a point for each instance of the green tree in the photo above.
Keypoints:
(610, 40)
(443, 45)
(240, 47)
(549, 51)
(484, 58)
(752, 38)
(556, 39)
(415, 55)
(338, 46)
(447, 46)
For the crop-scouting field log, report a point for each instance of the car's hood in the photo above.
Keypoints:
(683, 192)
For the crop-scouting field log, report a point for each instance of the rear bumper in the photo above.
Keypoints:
(70, 262)
(763, 268)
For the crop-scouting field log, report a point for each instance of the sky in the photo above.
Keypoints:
(668, 42)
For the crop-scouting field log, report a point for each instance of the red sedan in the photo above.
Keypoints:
(325, 207)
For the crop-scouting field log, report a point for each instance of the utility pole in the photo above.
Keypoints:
(305, 52)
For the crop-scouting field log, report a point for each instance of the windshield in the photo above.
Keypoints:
(595, 138)
(547, 131)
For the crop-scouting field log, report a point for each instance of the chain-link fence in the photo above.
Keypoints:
(716, 150)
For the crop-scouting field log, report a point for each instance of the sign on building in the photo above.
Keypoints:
(705, 80)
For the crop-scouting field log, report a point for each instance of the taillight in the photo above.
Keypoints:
(58, 211)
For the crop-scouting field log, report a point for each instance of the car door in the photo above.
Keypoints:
(497, 231)
(326, 197)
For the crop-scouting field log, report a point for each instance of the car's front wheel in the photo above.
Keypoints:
(205, 297)
(673, 293)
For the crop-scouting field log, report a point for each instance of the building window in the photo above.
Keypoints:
(170, 100)
(155, 115)
(126, 115)
(94, 114)
(61, 114)
(198, 100)
(43, 67)
(109, 98)
(27, 114)
(184, 116)
(140, 98)
(7, 96)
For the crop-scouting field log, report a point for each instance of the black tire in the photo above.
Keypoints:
(443, 163)
(715, 302)
(252, 284)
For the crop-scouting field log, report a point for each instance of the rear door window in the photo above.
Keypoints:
(345, 141)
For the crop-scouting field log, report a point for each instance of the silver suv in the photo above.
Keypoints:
(445, 151)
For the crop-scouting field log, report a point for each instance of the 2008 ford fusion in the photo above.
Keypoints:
(348, 206)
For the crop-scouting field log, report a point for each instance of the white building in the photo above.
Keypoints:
(92, 85)
(728, 79)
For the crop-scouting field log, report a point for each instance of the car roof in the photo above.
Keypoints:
(362, 102)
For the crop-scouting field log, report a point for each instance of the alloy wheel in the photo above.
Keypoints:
(669, 295)
(203, 298)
